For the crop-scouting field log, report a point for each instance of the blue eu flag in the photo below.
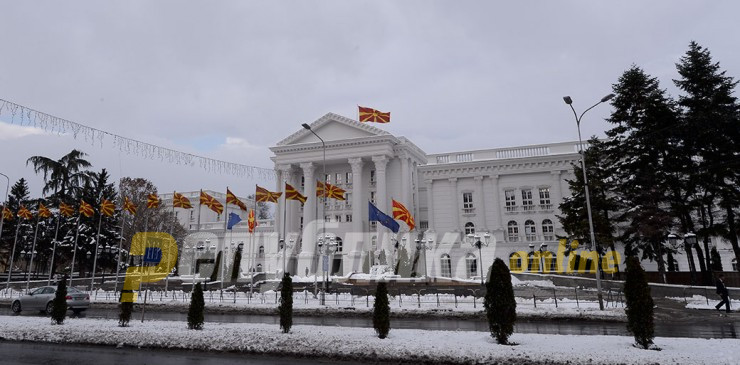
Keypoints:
(382, 218)
(234, 219)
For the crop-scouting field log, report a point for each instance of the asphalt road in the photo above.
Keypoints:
(22, 353)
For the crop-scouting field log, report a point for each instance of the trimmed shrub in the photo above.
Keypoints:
(124, 316)
(716, 260)
(195, 312)
(286, 303)
(216, 268)
(381, 311)
(59, 310)
(237, 264)
(499, 303)
(639, 304)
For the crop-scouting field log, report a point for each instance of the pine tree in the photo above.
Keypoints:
(710, 119)
(381, 258)
(639, 304)
(237, 264)
(286, 303)
(217, 267)
(59, 304)
(195, 312)
(381, 311)
(500, 304)
(19, 195)
(93, 192)
(124, 316)
(403, 265)
(716, 260)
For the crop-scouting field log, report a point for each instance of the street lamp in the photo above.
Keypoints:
(421, 245)
(474, 240)
(5, 204)
(569, 101)
(323, 178)
(327, 245)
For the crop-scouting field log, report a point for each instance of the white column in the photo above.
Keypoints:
(556, 192)
(381, 201)
(309, 236)
(481, 209)
(357, 201)
(279, 213)
(405, 181)
(287, 172)
(430, 203)
(455, 204)
(497, 206)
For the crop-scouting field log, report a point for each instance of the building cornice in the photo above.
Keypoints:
(499, 167)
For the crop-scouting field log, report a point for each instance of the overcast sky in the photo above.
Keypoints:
(228, 79)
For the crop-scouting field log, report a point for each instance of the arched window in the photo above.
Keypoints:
(339, 244)
(259, 267)
(515, 262)
(530, 230)
(534, 261)
(548, 233)
(513, 230)
(469, 228)
(446, 266)
(471, 263)
(261, 252)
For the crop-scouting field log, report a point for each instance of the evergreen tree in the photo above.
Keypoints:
(366, 263)
(639, 304)
(237, 264)
(710, 120)
(500, 304)
(642, 114)
(716, 261)
(217, 267)
(124, 316)
(403, 265)
(195, 312)
(94, 191)
(381, 258)
(19, 195)
(59, 304)
(286, 303)
(381, 311)
(63, 178)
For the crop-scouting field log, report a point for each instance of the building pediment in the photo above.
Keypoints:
(333, 127)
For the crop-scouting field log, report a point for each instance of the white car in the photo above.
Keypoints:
(42, 299)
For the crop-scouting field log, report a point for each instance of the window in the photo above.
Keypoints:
(338, 218)
(348, 178)
(424, 225)
(303, 182)
(348, 200)
(527, 203)
(374, 242)
(446, 266)
(373, 225)
(510, 200)
(218, 217)
(327, 178)
(513, 231)
(515, 261)
(339, 244)
(348, 218)
(469, 228)
(372, 177)
(261, 251)
(327, 218)
(468, 202)
(338, 178)
(471, 263)
(545, 198)
(259, 267)
(530, 231)
(534, 262)
(192, 215)
(372, 197)
(547, 230)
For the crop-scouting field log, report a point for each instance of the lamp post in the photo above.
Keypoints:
(285, 248)
(327, 245)
(323, 178)
(421, 245)
(569, 101)
(475, 241)
(543, 248)
(5, 204)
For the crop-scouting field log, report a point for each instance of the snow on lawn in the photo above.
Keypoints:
(362, 344)
(700, 302)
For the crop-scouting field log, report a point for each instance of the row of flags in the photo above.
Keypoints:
(107, 208)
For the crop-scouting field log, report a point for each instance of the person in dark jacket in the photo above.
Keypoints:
(724, 293)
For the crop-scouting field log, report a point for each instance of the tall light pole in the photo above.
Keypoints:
(323, 177)
(475, 241)
(5, 203)
(569, 101)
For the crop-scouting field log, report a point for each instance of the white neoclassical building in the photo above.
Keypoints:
(509, 194)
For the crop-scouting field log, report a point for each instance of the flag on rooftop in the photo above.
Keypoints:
(372, 115)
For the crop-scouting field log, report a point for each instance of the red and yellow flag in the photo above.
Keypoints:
(251, 222)
(332, 191)
(152, 201)
(24, 213)
(44, 212)
(264, 195)
(232, 199)
(372, 115)
(211, 202)
(66, 210)
(293, 194)
(402, 214)
(7, 214)
(86, 209)
(129, 206)
(180, 201)
(107, 207)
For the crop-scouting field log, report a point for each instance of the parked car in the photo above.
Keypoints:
(42, 299)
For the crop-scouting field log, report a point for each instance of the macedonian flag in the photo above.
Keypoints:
(66, 210)
(152, 201)
(332, 191)
(211, 202)
(129, 206)
(264, 195)
(402, 214)
(232, 199)
(44, 212)
(7, 214)
(251, 222)
(372, 115)
(180, 201)
(24, 213)
(86, 209)
(293, 194)
(107, 207)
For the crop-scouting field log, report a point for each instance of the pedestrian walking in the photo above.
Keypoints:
(723, 293)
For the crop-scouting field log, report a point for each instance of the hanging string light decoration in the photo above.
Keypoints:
(26, 116)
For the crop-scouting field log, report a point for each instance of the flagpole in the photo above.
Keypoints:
(285, 210)
(172, 228)
(74, 250)
(33, 250)
(120, 246)
(251, 243)
(12, 255)
(201, 193)
(54, 249)
(141, 266)
(97, 243)
(223, 246)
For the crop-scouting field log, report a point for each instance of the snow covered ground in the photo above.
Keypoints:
(361, 343)
(701, 302)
